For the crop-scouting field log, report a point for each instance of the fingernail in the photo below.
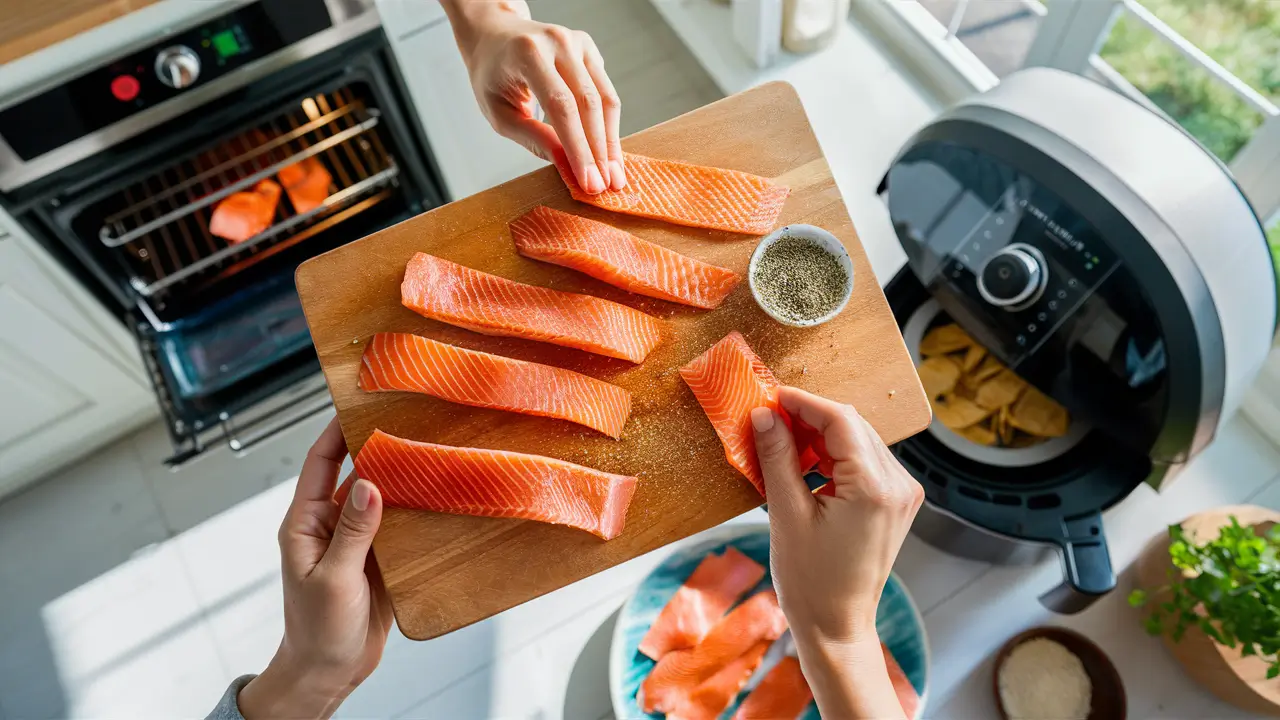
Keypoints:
(762, 419)
(617, 175)
(594, 183)
(360, 495)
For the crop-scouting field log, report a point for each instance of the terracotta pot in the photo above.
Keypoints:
(1240, 681)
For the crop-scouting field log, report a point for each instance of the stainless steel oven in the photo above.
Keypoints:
(121, 169)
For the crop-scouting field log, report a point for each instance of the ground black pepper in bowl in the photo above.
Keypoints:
(799, 279)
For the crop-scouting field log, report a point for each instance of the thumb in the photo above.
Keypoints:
(358, 523)
(788, 496)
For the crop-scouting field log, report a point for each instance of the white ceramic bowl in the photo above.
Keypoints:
(819, 236)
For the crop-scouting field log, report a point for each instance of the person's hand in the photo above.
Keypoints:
(517, 64)
(830, 555)
(336, 612)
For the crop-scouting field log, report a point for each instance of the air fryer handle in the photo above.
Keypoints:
(1086, 567)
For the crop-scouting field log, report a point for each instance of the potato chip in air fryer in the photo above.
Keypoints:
(972, 357)
(1000, 389)
(1004, 429)
(958, 413)
(979, 433)
(945, 339)
(1039, 414)
(988, 367)
(938, 375)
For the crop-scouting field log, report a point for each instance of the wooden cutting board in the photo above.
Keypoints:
(446, 571)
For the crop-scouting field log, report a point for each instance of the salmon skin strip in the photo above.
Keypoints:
(494, 483)
(451, 293)
(712, 588)
(783, 694)
(709, 699)
(902, 686)
(730, 380)
(679, 672)
(409, 363)
(692, 195)
(620, 258)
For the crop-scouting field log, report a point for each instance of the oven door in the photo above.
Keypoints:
(201, 240)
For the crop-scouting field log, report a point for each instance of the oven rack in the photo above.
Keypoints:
(116, 223)
(342, 198)
(159, 226)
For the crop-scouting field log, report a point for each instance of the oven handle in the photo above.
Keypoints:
(242, 439)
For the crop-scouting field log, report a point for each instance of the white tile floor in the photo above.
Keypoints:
(129, 591)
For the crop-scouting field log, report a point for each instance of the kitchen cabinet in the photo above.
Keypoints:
(67, 382)
(470, 155)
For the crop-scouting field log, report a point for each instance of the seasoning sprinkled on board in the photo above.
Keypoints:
(799, 279)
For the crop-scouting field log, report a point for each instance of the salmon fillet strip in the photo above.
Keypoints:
(783, 694)
(709, 699)
(620, 258)
(692, 195)
(902, 686)
(409, 363)
(711, 589)
(451, 293)
(730, 380)
(679, 672)
(494, 483)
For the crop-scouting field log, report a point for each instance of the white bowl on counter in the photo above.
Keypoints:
(828, 242)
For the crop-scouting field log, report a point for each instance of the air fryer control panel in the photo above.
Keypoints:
(1031, 260)
(1010, 251)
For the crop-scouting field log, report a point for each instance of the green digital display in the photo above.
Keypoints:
(226, 44)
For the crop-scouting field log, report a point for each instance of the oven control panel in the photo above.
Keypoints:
(149, 77)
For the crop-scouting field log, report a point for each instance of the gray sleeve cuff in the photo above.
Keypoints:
(227, 708)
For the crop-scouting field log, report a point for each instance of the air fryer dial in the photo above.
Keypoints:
(1013, 278)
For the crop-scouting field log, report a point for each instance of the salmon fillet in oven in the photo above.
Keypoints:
(240, 216)
(451, 293)
(494, 483)
(620, 258)
(306, 183)
(692, 195)
(400, 361)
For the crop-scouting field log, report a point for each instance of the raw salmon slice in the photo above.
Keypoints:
(243, 215)
(400, 361)
(730, 380)
(902, 686)
(713, 587)
(692, 195)
(306, 183)
(458, 295)
(620, 258)
(678, 673)
(709, 699)
(494, 483)
(783, 694)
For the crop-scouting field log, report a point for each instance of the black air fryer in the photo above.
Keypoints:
(1112, 262)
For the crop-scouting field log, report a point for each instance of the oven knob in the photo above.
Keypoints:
(1013, 278)
(178, 66)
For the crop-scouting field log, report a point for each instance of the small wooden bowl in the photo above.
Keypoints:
(1108, 698)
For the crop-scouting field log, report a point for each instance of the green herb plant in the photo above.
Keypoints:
(1228, 587)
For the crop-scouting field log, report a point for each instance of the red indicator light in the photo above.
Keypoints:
(125, 88)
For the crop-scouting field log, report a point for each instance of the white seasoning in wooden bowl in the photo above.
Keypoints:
(1042, 680)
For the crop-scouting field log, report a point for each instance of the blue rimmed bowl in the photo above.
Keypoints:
(898, 622)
